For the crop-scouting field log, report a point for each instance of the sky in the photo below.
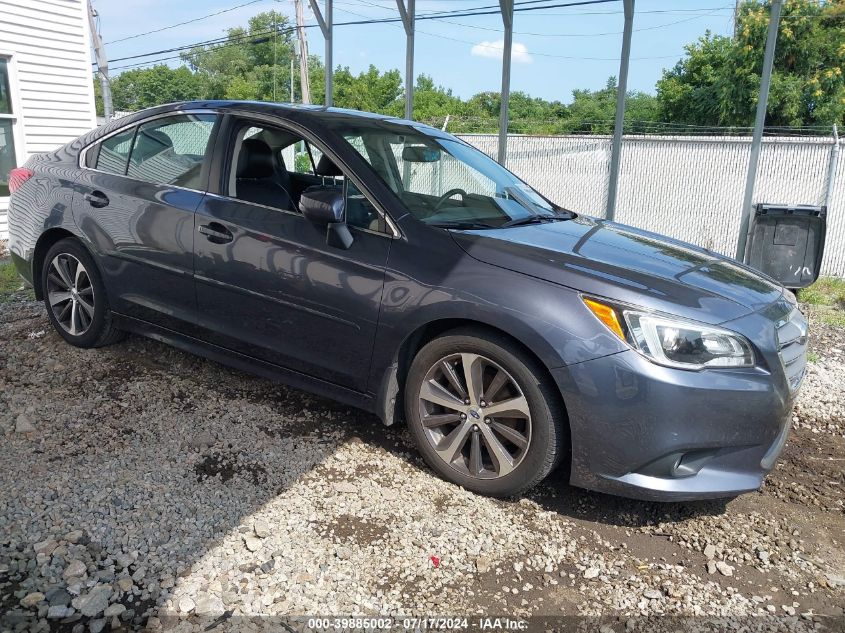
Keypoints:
(555, 50)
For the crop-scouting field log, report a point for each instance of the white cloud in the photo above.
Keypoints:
(519, 52)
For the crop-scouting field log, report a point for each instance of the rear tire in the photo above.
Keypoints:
(484, 414)
(75, 296)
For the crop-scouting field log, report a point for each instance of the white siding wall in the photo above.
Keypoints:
(49, 44)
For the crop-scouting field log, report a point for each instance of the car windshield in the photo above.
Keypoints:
(446, 182)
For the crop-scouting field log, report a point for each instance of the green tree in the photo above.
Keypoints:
(718, 81)
(372, 90)
(594, 111)
(253, 62)
(433, 103)
(142, 88)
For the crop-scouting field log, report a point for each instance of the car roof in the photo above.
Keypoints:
(316, 113)
(314, 116)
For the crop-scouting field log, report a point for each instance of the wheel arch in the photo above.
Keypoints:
(390, 404)
(44, 243)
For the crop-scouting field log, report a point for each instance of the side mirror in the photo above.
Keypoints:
(324, 207)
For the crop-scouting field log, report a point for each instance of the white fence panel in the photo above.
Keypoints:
(690, 188)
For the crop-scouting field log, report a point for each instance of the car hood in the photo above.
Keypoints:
(626, 264)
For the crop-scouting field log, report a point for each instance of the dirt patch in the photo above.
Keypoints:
(811, 472)
(227, 467)
(354, 530)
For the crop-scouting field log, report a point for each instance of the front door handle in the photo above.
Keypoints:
(216, 233)
(97, 199)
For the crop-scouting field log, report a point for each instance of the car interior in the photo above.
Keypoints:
(273, 167)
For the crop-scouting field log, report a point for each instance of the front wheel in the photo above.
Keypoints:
(483, 413)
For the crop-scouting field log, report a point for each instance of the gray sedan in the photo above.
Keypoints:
(393, 267)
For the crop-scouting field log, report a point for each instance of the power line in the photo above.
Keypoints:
(530, 34)
(455, 39)
(226, 40)
(230, 41)
(173, 26)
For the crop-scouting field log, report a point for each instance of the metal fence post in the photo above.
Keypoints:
(831, 167)
(759, 121)
(621, 93)
(326, 26)
(507, 21)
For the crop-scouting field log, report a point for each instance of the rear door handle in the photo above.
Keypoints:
(216, 233)
(97, 199)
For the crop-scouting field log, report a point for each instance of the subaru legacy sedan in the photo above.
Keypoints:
(393, 267)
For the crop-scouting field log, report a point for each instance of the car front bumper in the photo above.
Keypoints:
(650, 432)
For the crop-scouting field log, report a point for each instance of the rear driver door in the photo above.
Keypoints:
(135, 201)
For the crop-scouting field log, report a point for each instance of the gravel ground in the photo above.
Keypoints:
(144, 487)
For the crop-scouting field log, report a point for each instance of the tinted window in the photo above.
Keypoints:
(298, 157)
(360, 211)
(114, 152)
(171, 151)
(442, 180)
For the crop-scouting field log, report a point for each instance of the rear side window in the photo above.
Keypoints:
(114, 152)
(171, 151)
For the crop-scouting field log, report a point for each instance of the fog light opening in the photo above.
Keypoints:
(679, 465)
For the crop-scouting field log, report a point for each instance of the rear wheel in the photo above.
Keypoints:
(483, 413)
(75, 297)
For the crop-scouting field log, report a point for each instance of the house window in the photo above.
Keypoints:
(7, 121)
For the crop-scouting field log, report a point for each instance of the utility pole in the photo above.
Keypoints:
(102, 63)
(304, 79)
(292, 97)
(736, 16)
(408, 14)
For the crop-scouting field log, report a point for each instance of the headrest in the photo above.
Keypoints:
(325, 167)
(255, 159)
(150, 143)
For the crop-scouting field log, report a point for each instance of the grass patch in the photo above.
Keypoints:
(10, 282)
(835, 318)
(827, 291)
(812, 357)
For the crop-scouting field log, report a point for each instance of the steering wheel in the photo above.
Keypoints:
(442, 200)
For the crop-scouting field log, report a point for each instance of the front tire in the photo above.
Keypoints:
(75, 296)
(483, 413)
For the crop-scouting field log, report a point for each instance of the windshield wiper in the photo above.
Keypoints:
(462, 225)
(534, 219)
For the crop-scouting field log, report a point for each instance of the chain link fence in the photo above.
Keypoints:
(688, 187)
(678, 180)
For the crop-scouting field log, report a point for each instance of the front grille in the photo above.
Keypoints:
(792, 346)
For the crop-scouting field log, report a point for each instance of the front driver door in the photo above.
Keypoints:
(270, 287)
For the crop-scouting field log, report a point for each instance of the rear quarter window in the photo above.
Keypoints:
(114, 152)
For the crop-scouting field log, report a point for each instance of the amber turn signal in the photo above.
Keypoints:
(607, 315)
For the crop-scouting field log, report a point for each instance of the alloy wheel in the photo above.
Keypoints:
(475, 415)
(70, 294)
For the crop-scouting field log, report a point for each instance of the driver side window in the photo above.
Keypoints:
(258, 171)
(274, 167)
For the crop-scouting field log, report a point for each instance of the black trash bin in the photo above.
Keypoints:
(787, 243)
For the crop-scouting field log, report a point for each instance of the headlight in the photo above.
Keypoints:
(674, 342)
